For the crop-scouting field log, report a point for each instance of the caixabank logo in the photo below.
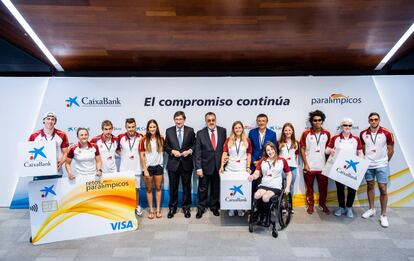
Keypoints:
(336, 98)
(235, 194)
(37, 158)
(87, 101)
(349, 169)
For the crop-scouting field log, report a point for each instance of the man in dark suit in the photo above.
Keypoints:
(209, 148)
(179, 145)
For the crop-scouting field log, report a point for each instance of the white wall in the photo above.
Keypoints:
(21, 99)
(397, 95)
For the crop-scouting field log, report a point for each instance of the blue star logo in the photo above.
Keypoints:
(36, 152)
(72, 101)
(48, 190)
(352, 164)
(237, 189)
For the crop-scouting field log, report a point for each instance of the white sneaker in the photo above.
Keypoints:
(138, 211)
(240, 213)
(384, 221)
(231, 213)
(369, 213)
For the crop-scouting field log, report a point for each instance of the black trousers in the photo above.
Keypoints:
(340, 192)
(174, 178)
(205, 183)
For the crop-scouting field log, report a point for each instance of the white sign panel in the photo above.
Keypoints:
(62, 209)
(346, 168)
(235, 191)
(37, 158)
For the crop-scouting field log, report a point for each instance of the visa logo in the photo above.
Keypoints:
(121, 225)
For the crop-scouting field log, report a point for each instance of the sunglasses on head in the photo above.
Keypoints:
(376, 119)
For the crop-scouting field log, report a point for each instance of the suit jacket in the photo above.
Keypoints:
(171, 143)
(206, 158)
(254, 138)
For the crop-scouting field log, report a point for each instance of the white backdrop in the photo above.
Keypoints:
(302, 94)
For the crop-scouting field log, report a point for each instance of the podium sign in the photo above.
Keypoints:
(346, 168)
(235, 191)
(62, 209)
(37, 158)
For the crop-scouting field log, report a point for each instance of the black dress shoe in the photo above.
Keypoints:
(187, 213)
(215, 212)
(171, 213)
(199, 214)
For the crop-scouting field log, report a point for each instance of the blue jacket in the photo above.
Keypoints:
(256, 146)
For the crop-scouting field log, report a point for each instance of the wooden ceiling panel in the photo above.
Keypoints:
(210, 35)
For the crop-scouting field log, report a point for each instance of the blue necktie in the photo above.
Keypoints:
(180, 137)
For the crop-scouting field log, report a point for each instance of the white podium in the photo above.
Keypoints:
(346, 168)
(235, 191)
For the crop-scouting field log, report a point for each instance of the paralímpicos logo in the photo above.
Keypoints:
(336, 98)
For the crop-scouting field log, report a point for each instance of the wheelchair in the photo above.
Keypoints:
(277, 215)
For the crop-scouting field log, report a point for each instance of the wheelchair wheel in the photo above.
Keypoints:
(285, 210)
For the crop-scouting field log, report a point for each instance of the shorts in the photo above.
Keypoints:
(157, 170)
(381, 175)
(274, 190)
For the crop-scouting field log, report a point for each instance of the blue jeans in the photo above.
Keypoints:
(294, 171)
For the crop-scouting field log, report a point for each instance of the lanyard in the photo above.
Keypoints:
(288, 147)
(261, 140)
(237, 147)
(50, 135)
(109, 148)
(318, 139)
(374, 140)
(129, 142)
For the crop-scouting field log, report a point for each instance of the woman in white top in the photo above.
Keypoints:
(151, 156)
(289, 150)
(86, 155)
(237, 152)
(271, 167)
(345, 141)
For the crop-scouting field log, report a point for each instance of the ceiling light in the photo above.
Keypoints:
(32, 34)
(395, 48)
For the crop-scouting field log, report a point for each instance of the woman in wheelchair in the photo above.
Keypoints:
(271, 168)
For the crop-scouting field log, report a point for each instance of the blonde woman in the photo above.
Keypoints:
(237, 153)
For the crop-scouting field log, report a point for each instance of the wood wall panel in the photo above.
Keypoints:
(210, 35)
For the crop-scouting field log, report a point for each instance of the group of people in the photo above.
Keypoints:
(271, 164)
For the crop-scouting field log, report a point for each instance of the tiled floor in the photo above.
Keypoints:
(223, 238)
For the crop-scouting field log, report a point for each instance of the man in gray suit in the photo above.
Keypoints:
(209, 149)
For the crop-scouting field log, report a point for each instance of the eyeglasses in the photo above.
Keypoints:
(373, 120)
(346, 125)
(317, 120)
(212, 120)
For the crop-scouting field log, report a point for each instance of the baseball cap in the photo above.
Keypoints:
(49, 114)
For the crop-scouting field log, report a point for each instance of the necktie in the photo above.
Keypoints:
(213, 139)
(180, 137)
